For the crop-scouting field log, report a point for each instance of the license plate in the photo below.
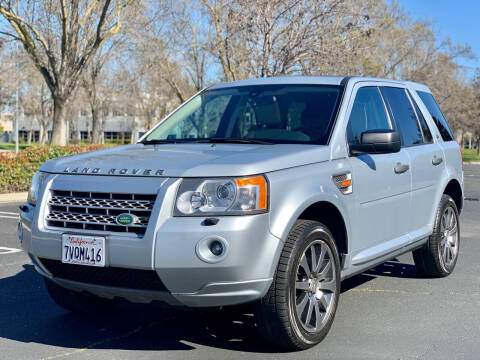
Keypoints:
(83, 250)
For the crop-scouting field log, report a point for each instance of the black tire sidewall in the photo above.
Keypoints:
(314, 232)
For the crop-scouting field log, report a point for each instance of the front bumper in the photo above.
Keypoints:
(169, 248)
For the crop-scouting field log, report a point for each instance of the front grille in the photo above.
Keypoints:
(98, 211)
(108, 276)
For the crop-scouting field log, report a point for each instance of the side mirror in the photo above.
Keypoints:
(377, 142)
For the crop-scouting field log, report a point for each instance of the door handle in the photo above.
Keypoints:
(437, 160)
(401, 168)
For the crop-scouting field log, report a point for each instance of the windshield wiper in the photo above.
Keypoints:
(206, 141)
(165, 141)
(232, 141)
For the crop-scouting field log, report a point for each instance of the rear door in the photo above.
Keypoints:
(426, 157)
(382, 195)
(445, 138)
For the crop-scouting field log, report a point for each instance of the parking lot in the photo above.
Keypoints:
(389, 312)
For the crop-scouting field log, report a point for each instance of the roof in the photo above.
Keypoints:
(311, 80)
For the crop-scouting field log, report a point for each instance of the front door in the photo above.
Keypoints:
(381, 183)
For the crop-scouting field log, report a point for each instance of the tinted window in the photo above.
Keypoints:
(427, 135)
(368, 113)
(404, 115)
(273, 113)
(437, 115)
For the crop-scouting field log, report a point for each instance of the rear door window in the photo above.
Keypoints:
(368, 113)
(437, 115)
(404, 115)
(427, 135)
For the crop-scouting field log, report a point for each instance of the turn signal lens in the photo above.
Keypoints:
(254, 192)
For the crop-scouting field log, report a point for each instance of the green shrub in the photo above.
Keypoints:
(16, 171)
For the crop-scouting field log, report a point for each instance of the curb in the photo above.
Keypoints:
(13, 197)
(472, 162)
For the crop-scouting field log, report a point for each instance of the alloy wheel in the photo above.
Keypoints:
(315, 286)
(449, 237)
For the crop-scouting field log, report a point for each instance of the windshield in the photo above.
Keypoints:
(261, 114)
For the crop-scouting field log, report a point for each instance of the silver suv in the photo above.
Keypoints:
(269, 191)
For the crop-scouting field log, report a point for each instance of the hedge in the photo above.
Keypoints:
(16, 170)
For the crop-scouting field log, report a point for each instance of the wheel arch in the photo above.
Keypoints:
(454, 190)
(330, 216)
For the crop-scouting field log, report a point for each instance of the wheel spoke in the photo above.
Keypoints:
(443, 222)
(443, 242)
(452, 218)
(453, 229)
(305, 266)
(328, 266)
(328, 285)
(302, 304)
(445, 250)
(313, 259)
(323, 301)
(321, 258)
(318, 315)
(309, 312)
(450, 254)
(302, 285)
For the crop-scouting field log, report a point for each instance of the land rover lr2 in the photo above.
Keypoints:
(268, 191)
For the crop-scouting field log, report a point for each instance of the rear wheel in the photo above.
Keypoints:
(75, 301)
(439, 256)
(299, 308)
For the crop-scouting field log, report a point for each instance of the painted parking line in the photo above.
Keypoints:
(9, 215)
(6, 250)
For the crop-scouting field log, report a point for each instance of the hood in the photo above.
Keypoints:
(189, 160)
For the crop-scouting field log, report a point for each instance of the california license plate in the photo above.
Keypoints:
(83, 250)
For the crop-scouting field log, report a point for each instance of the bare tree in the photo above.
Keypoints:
(61, 37)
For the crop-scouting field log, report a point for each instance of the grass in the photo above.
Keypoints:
(470, 155)
(11, 146)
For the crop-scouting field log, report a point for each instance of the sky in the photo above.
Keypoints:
(457, 19)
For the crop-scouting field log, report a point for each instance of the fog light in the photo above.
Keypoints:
(216, 248)
(212, 249)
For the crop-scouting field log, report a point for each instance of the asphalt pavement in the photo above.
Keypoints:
(389, 312)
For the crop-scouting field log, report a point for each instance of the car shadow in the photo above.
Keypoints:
(28, 315)
(395, 268)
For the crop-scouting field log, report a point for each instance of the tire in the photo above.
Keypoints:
(317, 295)
(77, 302)
(439, 256)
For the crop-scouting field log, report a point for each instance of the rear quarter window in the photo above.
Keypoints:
(437, 115)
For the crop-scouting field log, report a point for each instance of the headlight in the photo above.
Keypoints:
(222, 196)
(37, 181)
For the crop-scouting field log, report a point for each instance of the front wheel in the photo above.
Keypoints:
(439, 256)
(298, 310)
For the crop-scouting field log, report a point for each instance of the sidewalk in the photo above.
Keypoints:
(13, 197)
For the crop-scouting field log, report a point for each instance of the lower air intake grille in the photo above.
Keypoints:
(108, 276)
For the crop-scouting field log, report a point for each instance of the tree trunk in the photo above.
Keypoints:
(95, 126)
(59, 131)
(42, 137)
